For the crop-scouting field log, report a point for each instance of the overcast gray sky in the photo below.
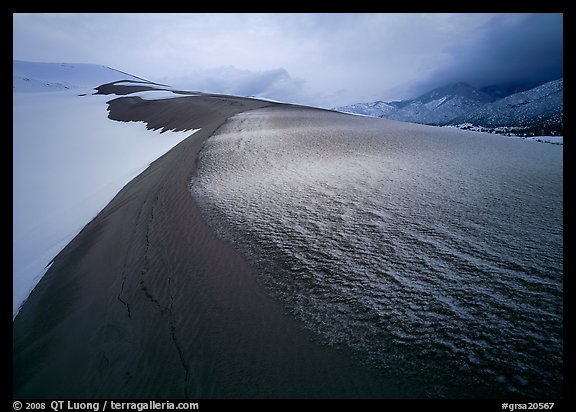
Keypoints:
(317, 59)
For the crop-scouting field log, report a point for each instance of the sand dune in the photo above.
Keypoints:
(147, 302)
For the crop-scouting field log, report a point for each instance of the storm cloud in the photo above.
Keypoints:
(509, 49)
(317, 59)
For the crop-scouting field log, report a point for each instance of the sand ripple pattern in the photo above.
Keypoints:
(434, 255)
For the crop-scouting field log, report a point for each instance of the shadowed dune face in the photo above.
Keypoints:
(122, 90)
(184, 113)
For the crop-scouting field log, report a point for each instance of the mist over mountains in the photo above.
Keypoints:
(497, 109)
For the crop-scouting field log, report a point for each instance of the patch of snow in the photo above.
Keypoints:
(160, 95)
(355, 114)
(547, 139)
(265, 99)
(435, 103)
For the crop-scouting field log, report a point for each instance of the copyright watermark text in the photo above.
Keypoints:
(102, 406)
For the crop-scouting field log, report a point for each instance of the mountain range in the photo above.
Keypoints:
(536, 111)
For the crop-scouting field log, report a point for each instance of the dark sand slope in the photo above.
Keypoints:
(147, 302)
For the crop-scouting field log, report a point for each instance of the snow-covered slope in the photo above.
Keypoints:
(69, 159)
(38, 77)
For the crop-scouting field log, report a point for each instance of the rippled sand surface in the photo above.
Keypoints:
(434, 255)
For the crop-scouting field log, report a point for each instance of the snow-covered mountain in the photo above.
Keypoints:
(440, 105)
(541, 107)
(535, 111)
(436, 107)
(69, 158)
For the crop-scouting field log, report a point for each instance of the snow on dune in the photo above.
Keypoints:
(547, 139)
(159, 95)
(38, 77)
(69, 161)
